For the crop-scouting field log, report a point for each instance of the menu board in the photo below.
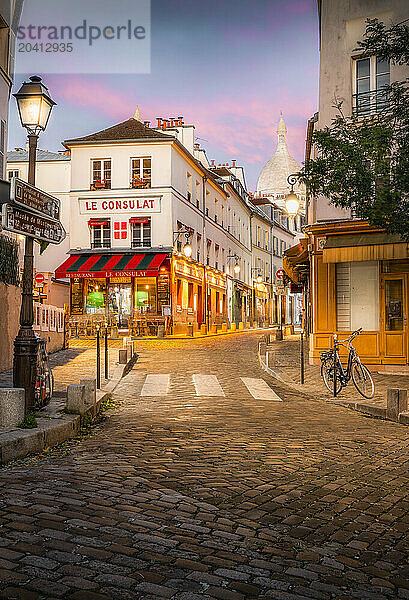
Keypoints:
(77, 296)
(163, 289)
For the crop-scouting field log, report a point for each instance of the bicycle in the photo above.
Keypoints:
(336, 377)
(44, 385)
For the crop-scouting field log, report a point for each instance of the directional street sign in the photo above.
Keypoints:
(26, 223)
(27, 196)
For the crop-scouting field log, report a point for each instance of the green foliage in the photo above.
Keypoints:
(363, 162)
(9, 268)
(29, 421)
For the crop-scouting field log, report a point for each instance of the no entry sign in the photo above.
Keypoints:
(280, 274)
(39, 278)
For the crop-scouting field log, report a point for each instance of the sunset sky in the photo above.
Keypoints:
(227, 67)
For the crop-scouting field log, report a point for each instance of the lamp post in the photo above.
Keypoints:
(236, 271)
(34, 105)
(187, 248)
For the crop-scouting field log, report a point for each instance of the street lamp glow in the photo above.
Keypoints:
(292, 204)
(34, 105)
(236, 269)
(259, 279)
(187, 250)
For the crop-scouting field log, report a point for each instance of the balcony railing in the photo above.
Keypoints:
(369, 103)
(141, 244)
(101, 244)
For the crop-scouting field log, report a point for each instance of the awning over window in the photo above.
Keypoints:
(365, 246)
(93, 222)
(111, 265)
(138, 220)
(296, 259)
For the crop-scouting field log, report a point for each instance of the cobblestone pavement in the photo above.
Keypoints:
(287, 362)
(195, 497)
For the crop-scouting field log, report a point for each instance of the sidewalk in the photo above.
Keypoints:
(286, 366)
(53, 424)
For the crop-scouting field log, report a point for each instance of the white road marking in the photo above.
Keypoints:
(155, 385)
(259, 389)
(207, 385)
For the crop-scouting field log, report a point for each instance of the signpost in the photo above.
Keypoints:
(28, 196)
(39, 278)
(30, 224)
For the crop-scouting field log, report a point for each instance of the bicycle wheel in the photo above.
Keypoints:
(327, 373)
(363, 381)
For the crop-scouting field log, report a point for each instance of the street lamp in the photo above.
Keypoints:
(187, 248)
(236, 258)
(292, 203)
(34, 105)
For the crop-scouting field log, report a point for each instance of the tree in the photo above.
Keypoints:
(363, 161)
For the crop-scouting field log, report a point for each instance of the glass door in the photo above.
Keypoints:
(120, 301)
(394, 319)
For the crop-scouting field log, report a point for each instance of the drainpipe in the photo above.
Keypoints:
(204, 245)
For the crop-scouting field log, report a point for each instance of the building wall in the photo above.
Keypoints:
(342, 26)
(10, 301)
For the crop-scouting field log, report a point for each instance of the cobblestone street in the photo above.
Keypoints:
(231, 495)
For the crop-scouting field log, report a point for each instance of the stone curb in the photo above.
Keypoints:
(53, 430)
(371, 410)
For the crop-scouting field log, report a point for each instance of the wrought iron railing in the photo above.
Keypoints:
(101, 244)
(370, 103)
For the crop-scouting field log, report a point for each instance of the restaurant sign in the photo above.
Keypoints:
(105, 206)
(122, 274)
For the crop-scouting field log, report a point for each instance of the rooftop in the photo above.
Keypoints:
(132, 129)
(21, 155)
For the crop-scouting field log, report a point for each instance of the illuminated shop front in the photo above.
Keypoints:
(118, 287)
(198, 295)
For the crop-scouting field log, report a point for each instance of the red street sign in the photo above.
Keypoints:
(39, 278)
(280, 274)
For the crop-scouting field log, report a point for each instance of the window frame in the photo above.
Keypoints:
(143, 237)
(105, 241)
(103, 170)
(146, 183)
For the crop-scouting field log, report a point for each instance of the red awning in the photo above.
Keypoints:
(111, 265)
(138, 220)
(92, 222)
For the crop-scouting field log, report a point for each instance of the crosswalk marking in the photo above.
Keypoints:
(259, 389)
(155, 385)
(207, 385)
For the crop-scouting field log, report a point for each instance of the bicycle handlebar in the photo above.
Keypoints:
(349, 339)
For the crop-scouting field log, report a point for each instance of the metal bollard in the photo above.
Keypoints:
(106, 354)
(98, 361)
(302, 357)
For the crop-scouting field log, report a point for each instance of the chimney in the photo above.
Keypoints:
(180, 120)
(197, 146)
(164, 125)
(147, 123)
(171, 122)
(159, 120)
(233, 163)
(27, 145)
(213, 165)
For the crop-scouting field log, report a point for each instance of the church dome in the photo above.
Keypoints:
(273, 178)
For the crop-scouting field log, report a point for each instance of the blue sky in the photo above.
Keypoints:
(227, 67)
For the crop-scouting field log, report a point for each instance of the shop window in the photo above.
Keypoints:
(101, 174)
(95, 296)
(357, 296)
(120, 230)
(141, 233)
(141, 172)
(145, 295)
(190, 299)
(100, 234)
(179, 292)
